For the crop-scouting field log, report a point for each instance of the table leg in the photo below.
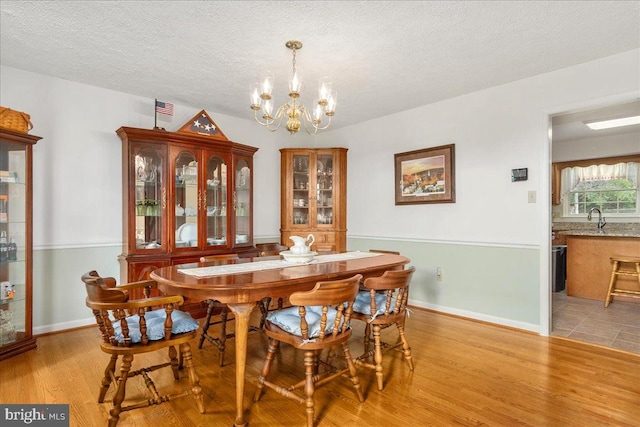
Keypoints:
(242, 313)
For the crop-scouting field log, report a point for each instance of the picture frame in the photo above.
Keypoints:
(425, 176)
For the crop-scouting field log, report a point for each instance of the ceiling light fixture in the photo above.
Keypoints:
(294, 110)
(613, 123)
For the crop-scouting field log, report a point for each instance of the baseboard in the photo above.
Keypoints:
(477, 316)
(58, 327)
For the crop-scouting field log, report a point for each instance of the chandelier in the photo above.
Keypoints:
(296, 113)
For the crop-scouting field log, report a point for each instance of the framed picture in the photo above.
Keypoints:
(426, 176)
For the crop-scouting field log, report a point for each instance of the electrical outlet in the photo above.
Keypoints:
(439, 273)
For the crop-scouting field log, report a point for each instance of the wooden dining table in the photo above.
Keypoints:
(243, 283)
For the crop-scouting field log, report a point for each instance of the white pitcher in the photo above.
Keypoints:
(299, 244)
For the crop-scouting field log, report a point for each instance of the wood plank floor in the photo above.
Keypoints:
(466, 374)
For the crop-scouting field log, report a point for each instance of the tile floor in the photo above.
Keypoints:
(617, 326)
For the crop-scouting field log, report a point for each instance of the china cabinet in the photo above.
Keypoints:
(314, 191)
(16, 213)
(186, 194)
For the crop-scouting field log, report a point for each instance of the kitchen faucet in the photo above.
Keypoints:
(601, 220)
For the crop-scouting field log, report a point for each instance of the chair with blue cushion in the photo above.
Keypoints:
(318, 319)
(383, 303)
(134, 326)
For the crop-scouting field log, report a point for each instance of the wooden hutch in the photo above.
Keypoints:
(314, 196)
(186, 194)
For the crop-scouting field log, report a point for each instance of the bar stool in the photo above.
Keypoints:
(617, 261)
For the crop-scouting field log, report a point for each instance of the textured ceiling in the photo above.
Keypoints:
(384, 57)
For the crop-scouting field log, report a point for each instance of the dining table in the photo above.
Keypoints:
(245, 282)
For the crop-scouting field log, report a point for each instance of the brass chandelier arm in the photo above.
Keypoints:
(268, 121)
(314, 123)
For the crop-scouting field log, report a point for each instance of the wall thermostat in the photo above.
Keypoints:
(519, 174)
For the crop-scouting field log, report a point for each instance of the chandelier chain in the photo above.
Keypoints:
(294, 60)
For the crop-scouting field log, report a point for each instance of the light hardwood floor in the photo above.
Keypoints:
(466, 373)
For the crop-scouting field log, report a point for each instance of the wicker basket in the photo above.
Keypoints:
(15, 120)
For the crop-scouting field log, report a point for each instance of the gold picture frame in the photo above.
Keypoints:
(425, 176)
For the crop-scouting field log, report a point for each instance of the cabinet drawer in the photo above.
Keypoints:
(324, 242)
(329, 238)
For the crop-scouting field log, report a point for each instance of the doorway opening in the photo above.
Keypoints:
(573, 315)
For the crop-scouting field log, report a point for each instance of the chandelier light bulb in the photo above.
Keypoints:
(331, 102)
(295, 83)
(254, 94)
(267, 108)
(318, 111)
(266, 85)
(324, 88)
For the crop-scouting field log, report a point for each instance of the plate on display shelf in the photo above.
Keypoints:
(298, 258)
(216, 241)
(187, 232)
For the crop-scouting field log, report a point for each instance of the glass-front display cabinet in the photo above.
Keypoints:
(313, 188)
(16, 213)
(150, 196)
(242, 201)
(186, 194)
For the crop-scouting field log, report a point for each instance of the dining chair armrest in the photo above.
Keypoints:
(137, 285)
(109, 282)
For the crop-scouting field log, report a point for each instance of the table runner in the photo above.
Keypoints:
(247, 267)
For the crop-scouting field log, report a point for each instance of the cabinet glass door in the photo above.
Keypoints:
(216, 201)
(324, 189)
(301, 183)
(242, 202)
(150, 198)
(13, 268)
(186, 200)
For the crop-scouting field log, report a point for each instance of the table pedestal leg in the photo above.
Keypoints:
(242, 313)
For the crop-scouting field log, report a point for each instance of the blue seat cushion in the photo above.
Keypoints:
(288, 319)
(363, 303)
(182, 322)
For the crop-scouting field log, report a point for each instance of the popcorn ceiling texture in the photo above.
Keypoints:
(385, 57)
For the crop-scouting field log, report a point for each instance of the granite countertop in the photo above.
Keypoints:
(605, 233)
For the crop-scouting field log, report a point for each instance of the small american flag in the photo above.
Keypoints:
(164, 108)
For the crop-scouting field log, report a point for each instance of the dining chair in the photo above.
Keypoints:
(221, 310)
(130, 327)
(318, 319)
(380, 304)
(270, 249)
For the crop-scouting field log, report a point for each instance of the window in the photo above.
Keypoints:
(612, 188)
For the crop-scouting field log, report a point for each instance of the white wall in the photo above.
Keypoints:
(78, 196)
(494, 130)
(77, 164)
(593, 148)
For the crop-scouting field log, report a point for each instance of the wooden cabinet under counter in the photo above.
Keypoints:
(589, 266)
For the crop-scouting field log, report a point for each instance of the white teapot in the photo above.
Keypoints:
(299, 244)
